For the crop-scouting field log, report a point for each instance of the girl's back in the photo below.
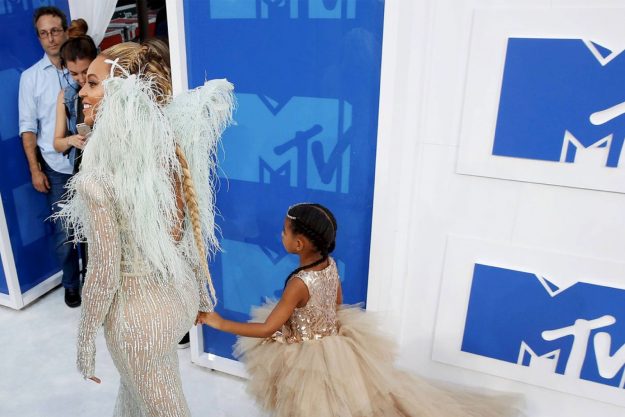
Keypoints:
(317, 318)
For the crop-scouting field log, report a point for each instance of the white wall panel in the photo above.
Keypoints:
(420, 199)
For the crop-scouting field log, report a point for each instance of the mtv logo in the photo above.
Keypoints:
(298, 142)
(574, 329)
(558, 103)
(595, 155)
(290, 9)
(543, 363)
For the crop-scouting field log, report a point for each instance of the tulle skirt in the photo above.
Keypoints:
(351, 375)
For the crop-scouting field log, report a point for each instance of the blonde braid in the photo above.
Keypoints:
(190, 198)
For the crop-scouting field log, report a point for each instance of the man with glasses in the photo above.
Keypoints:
(50, 170)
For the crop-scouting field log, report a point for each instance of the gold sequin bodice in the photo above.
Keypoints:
(317, 318)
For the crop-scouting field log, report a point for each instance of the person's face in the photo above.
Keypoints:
(93, 90)
(51, 34)
(78, 70)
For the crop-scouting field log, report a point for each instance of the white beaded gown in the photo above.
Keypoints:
(333, 362)
(144, 315)
(142, 285)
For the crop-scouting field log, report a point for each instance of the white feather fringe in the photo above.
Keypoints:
(198, 118)
(132, 153)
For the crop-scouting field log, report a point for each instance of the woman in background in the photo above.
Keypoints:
(77, 53)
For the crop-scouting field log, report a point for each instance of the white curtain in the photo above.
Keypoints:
(97, 13)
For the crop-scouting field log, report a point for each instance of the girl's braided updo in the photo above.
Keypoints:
(316, 223)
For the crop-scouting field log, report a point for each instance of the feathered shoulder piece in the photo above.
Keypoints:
(132, 154)
(198, 118)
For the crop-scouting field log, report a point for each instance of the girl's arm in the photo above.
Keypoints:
(61, 142)
(295, 294)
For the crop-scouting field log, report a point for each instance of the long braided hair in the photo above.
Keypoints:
(190, 197)
(318, 224)
(151, 60)
(137, 152)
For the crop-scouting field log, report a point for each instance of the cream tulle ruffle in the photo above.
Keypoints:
(351, 375)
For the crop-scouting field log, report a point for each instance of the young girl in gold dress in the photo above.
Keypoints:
(309, 355)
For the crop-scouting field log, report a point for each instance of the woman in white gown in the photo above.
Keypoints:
(144, 201)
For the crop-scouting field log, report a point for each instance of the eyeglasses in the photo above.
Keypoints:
(43, 34)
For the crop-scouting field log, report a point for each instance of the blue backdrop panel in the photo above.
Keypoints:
(25, 208)
(306, 75)
(514, 317)
(551, 86)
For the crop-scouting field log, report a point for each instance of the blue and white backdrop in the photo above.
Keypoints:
(546, 109)
(541, 317)
(542, 105)
(29, 267)
(306, 76)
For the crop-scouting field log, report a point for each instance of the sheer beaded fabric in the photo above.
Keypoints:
(144, 315)
(147, 277)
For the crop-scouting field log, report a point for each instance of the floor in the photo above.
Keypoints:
(38, 376)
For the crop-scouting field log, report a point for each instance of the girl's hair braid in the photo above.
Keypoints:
(315, 238)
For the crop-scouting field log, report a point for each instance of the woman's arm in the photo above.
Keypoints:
(61, 142)
(103, 277)
(295, 293)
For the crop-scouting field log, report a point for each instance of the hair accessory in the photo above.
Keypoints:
(289, 216)
(293, 206)
(115, 64)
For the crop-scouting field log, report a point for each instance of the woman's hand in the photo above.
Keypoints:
(77, 141)
(95, 379)
(213, 319)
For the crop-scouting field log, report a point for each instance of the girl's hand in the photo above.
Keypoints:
(213, 320)
(95, 379)
(77, 141)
